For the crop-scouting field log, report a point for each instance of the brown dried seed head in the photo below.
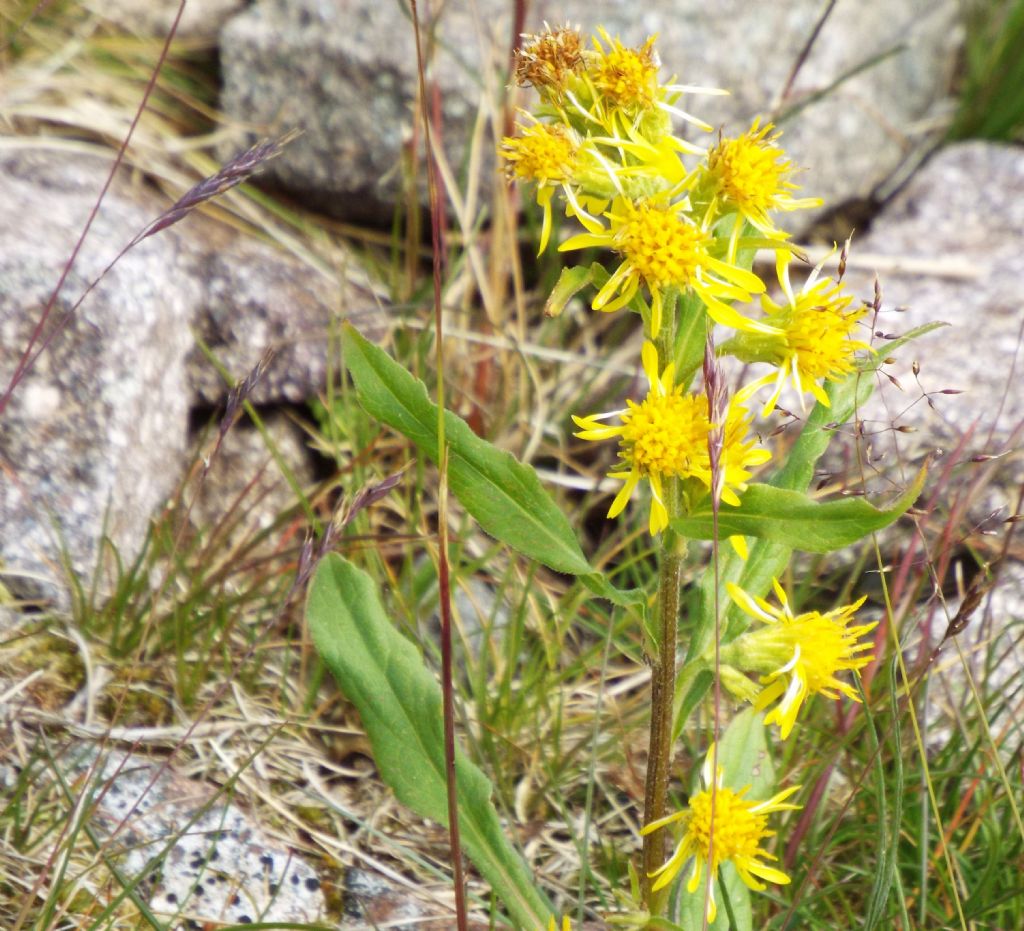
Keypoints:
(549, 58)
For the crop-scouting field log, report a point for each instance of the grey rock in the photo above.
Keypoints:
(93, 439)
(201, 19)
(950, 248)
(373, 902)
(258, 298)
(244, 491)
(93, 435)
(346, 75)
(217, 864)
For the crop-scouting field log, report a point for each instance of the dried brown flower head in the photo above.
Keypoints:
(548, 59)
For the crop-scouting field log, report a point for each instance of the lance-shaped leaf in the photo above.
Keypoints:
(399, 702)
(796, 519)
(505, 496)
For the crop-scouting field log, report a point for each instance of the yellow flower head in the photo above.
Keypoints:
(546, 155)
(549, 59)
(627, 78)
(620, 90)
(541, 153)
(722, 826)
(814, 341)
(750, 174)
(663, 248)
(666, 436)
(799, 655)
(566, 925)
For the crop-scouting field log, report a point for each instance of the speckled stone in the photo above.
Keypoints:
(346, 75)
(203, 859)
(94, 433)
(93, 440)
(244, 491)
(257, 298)
(200, 20)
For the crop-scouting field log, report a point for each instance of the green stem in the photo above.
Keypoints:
(663, 673)
(663, 686)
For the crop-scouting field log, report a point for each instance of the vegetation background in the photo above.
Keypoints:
(210, 667)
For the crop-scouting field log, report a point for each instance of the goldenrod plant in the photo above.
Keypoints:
(675, 228)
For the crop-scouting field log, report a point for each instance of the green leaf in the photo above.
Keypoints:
(635, 598)
(690, 906)
(505, 496)
(767, 561)
(399, 702)
(744, 757)
(570, 282)
(691, 337)
(794, 519)
(690, 689)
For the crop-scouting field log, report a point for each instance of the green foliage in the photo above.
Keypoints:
(888, 824)
(992, 85)
(690, 338)
(769, 557)
(399, 702)
(795, 519)
(192, 614)
(504, 496)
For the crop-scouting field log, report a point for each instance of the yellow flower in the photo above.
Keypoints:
(813, 342)
(663, 248)
(621, 84)
(666, 436)
(545, 155)
(566, 924)
(799, 655)
(750, 174)
(626, 77)
(722, 826)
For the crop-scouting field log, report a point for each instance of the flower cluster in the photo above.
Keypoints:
(797, 656)
(666, 436)
(682, 234)
(682, 225)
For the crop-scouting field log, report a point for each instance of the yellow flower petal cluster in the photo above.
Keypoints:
(619, 88)
(545, 154)
(542, 153)
(606, 123)
(719, 826)
(566, 925)
(797, 655)
(625, 77)
(661, 248)
(666, 436)
(813, 340)
(750, 174)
